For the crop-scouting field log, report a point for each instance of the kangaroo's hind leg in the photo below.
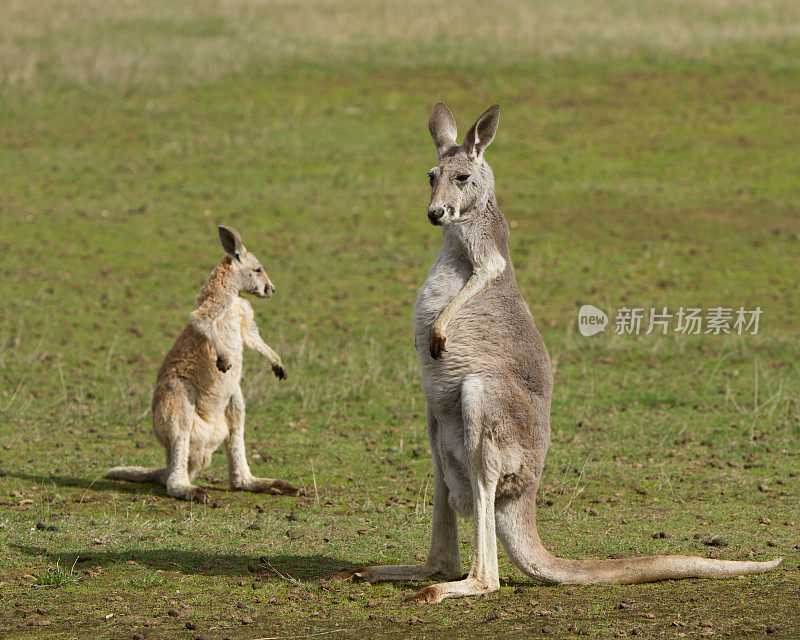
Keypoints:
(173, 420)
(239, 475)
(444, 557)
(484, 461)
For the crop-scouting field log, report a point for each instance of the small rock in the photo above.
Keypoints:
(706, 623)
(292, 517)
(763, 520)
(763, 488)
(772, 543)
(191, 626)
(174, 613)
(293, 535)
(138, 636)
(717, 541)
(202, 636)
(254, 527)
(592, 511)
(770, 629)
(246, 620)
(492, 615)
(414, 620)
(547, 629)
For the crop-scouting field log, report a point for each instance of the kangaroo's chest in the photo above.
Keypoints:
(447, 277)
(441, 378)
(229, 330)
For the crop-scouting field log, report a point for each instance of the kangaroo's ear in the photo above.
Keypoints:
(442, 126)
(482, 132)
(231, 242)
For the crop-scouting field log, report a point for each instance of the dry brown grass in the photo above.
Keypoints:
(142, 41)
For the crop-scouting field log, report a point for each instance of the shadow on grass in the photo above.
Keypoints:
(278, 567)
(96, 484)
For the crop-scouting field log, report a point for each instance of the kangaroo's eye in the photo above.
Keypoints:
(431, 175)
(462, 177)
(257, 270)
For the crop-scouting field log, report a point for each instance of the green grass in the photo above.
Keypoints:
(55, 576)
(646, 156)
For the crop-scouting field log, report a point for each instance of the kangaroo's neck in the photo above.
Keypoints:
(222, 284)
(484, 233)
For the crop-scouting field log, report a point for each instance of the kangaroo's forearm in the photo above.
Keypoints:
(265, 350)
(480, 278)
(473, 286)
(253, 340)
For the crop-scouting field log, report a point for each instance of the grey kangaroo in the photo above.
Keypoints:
(488, 381)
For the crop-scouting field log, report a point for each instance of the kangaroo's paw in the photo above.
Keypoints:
(280, 371)
(426, 595)
(196, 494)
(438, 340)
(269, 485)
(223, 362)
(458, 589)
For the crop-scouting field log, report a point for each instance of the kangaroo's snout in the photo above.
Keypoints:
(435, 215)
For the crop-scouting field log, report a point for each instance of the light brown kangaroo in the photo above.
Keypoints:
(198, 400)
(487, 380)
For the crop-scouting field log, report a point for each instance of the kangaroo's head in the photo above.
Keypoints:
(246, 271)
(462, 182)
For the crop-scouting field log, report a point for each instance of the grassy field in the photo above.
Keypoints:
(646, 157)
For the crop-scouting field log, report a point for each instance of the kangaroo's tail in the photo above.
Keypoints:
(139, 474)
(516, 528)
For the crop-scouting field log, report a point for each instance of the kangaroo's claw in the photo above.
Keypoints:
(223, 364)
(438, 340)
(280, 371)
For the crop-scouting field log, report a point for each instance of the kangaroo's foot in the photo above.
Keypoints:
(459, 589)
(190, 493)
(400, 572)
(267, 485)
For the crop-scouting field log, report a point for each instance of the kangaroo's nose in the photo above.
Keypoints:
(435, 214)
